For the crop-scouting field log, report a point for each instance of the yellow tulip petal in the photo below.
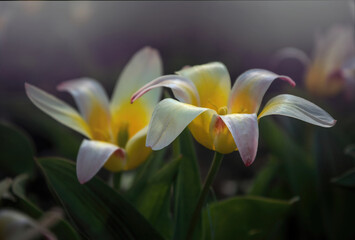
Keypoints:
(92, 157)
(299, 108)
(93, 104)
(57, 109)
(249, 90)
(200, 129)
(136, 150)
(143, 67)
(183, 89)
(211, 132)
(212, 82)
(245, 131)
(169, 119)
(131, 118)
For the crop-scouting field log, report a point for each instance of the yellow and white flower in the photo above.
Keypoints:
(220, 118)
(117, 130)
(331, 68)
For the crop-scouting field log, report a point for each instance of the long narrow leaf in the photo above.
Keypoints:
(154, 201)
(187, 188)
(97, 210)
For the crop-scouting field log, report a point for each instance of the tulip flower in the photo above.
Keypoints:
(331, 69)
(220, 118)
(116, 130)
(327, 73)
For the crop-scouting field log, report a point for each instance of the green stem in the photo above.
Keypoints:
(115, 180)
(216, 163)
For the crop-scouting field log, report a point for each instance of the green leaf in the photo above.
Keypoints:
(298, 165)
(346, 180)
(154, 201)
(187, 188)
(97, 210)
(16, 151)
(64, 141)
(350, 150)
(62, 229)
(5, 185)
(144, 173)
(243, 217)
(263, 179)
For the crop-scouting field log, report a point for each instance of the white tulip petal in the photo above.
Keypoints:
(169, 119)
(299, 108)
(143, 67)
(245, 132)
(57, 109)
(183, 89)
(88, 95)
(334, 47)
(92, 156)
(288, 53)
(249, 89)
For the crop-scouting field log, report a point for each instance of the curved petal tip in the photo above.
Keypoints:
(287, 79)
(92, 156)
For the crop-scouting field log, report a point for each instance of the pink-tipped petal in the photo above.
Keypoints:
(92, 156)
(299, 108)
(183, 89)
(249, 90)
(245, 132)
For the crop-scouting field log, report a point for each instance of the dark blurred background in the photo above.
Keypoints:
(45, 43)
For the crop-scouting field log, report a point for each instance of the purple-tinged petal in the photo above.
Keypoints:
(245, 131)
(183, 89)
(93, 155)
(249, 89)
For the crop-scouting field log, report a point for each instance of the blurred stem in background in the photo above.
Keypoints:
(216, 163)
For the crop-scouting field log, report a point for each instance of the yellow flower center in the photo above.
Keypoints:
(123, 135)
(223, 110)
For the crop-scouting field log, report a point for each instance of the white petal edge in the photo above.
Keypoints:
(169, 119)
(245, 131)
(57, 109)
(92, 156)
(299, 108)
(143, 67)
(86, 92)
(183, 89)
(292, 53)
(250, 88)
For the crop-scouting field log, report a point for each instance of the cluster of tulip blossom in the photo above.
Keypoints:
(122, 132)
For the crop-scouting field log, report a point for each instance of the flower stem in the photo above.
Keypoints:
(115, 180)
(216, 163)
